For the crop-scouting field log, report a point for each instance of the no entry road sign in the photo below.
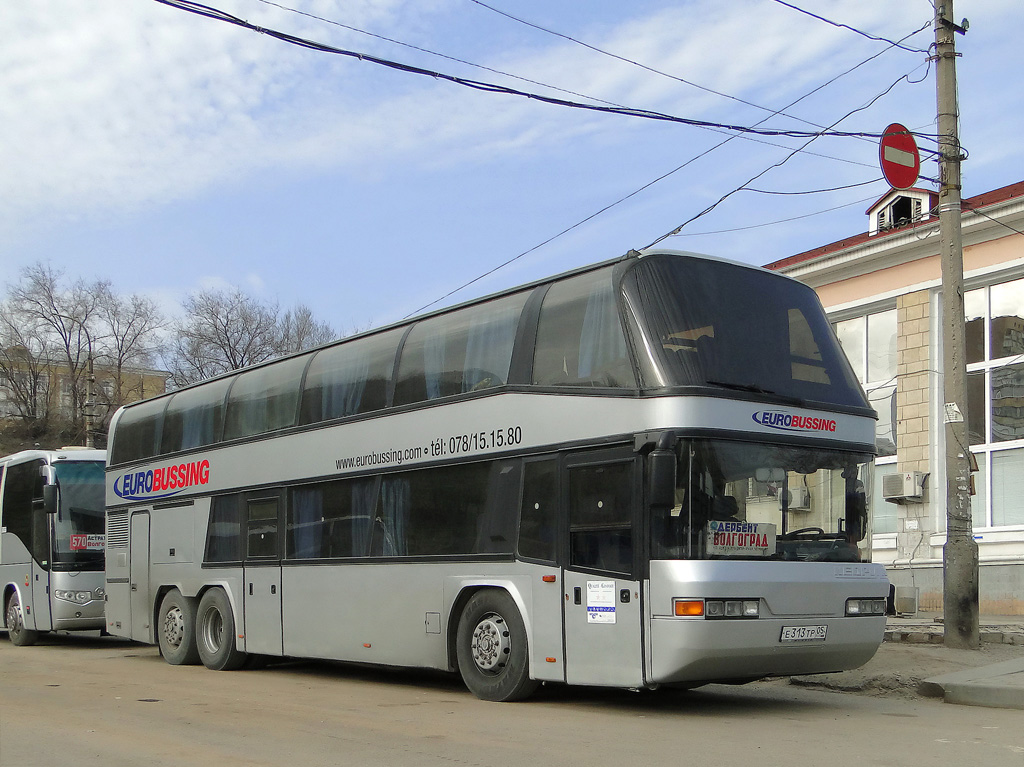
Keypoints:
(899, 158)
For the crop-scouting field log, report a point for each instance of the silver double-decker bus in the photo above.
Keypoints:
(51, 541)
(651, 471)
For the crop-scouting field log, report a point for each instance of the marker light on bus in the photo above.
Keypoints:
(717, 608)
(865, 607)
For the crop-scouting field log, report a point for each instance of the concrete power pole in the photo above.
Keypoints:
(960, 554)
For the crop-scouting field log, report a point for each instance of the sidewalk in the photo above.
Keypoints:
(996, 685)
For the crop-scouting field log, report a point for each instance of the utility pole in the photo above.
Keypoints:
(960, 554)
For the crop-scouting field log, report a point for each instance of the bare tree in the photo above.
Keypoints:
(227, 330)
(129, 328)
(298, 330)
(50, 330)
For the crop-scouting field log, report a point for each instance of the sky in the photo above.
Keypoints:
(171, 153)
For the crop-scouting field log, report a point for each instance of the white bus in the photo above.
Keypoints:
(51, 541)
(646, 472)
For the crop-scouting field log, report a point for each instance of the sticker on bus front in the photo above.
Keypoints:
(600, 601)
(732, 538)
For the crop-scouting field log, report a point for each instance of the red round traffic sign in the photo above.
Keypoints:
(899, 158)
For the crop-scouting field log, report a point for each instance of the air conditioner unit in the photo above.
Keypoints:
(905, 487)
(799, 499)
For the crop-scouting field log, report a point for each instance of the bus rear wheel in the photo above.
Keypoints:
(491, 648)
(176, 629)
(215, 632)
(16, 631)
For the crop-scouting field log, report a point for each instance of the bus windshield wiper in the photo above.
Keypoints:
(755, 389)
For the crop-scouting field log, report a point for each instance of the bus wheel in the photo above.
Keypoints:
(215, 632)
(491, 648)
(16, 631)
(176, 630)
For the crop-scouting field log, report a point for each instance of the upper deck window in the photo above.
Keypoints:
(579, 339)
(711, 323)
(194, 416)
(350, 378)
(138, 432)
(264, 399)
(465, 351)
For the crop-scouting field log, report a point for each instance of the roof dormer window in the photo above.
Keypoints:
(900, 208)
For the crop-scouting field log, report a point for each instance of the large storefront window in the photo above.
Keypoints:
(994, 318)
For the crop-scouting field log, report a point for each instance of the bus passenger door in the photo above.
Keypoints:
(138, 578)
(262, 581)
(603, 615)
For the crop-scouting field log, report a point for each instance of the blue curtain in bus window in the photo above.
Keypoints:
(196, 428)
(433, 363)
(362, 516)
(489, 350)
(603, 353)
(394, 518)
(307, 522)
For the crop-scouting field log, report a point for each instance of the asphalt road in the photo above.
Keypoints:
(100, 701)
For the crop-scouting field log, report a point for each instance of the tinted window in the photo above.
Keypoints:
(138, 432)
(331, 519)
(447, 511)
(580, 340)
(600, 517)
(193, 417)
(350, 378)
(261, 528)
(467, 350)
(223, 535)
(538, 517)
(24, 484)
(264, 399)
(711, 323)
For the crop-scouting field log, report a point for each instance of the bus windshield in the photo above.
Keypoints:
(715, 324)
(740, 500)
(78, 532)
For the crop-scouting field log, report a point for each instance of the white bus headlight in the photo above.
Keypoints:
(78, 597)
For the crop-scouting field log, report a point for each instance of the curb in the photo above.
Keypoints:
(930, 635)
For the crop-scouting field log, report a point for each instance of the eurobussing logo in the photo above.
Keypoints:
(783, 421)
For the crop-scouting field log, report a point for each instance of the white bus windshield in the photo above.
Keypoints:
(78, 525)
(739, 500)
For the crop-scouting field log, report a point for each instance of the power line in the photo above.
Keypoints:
(778, 221)
(852, 29)
(661, 178)
(218, 15)
(564, 90)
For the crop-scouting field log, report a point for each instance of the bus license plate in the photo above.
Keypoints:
(803, 633)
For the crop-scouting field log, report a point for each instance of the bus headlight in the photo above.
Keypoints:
(865, 606)
(77, 597)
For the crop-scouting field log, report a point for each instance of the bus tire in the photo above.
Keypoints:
(176, 629)
(16, 630)
(215, 633)
(491, 648)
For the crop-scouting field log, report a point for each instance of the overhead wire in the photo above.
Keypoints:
(660, 178)
(852, 29)
(213, 13)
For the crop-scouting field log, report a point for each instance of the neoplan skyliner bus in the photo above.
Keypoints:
(647, 472)
(51, 541)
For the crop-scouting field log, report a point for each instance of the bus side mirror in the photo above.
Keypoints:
(50, 499)
(662, 479)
